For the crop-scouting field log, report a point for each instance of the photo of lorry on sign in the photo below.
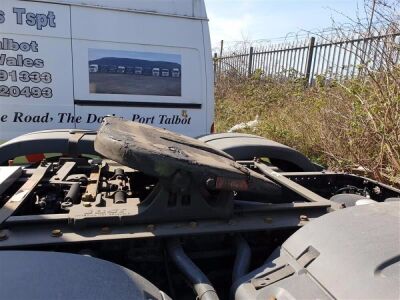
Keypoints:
(176, 72)
(138, 70)
(156, 72)
(93, 68)
(151, 74)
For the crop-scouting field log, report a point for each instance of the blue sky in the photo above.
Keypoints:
(237, 20)
(100, 53)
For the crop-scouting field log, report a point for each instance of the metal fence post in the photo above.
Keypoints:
(309, 59)
(250, 62)
(215, 60)
(221, 49)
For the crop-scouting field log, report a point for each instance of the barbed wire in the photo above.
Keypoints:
(301, 35)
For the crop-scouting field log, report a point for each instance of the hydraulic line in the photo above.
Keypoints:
(201, 284)
(242, 259)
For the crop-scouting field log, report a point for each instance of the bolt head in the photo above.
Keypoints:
(56, 233)
(105, 230)
(3, 236)
(268, 220)
(304, 218)
(231, 222)
(151, 227)
(210, 183)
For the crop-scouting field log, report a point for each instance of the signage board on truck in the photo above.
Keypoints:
(146, 61)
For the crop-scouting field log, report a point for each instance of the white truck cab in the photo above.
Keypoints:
(93, 68)
(175, 72)
(138, 70)
(156, 72)
(69, 63)
(165, 73)
(121, 69)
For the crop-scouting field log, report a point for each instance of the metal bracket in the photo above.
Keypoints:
(23, 193)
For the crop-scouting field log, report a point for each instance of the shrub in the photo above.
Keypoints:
(347, 126)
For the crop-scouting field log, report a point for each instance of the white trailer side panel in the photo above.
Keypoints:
(36, 82)
(48, 46)
(184, 8)
(128, 36)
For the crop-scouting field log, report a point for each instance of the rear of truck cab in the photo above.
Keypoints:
(146, 61)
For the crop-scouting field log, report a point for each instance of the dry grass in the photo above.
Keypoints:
(354, 125)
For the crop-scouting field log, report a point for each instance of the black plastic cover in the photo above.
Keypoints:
(352, 253)
(51, 275)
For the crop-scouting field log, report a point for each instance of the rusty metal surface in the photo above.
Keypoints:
(64, 171)
(158, 152)
(22, 194)
(42, 234)
(92, 187)
(161, 153)
(295, 187)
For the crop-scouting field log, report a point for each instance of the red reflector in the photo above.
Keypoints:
(231, 184)
(32, 158)
(212, 129)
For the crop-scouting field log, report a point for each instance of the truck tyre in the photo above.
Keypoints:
(246, 146)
